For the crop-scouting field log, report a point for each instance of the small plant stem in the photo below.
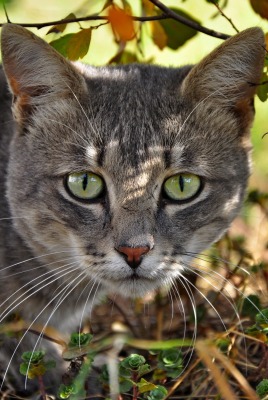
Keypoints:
(135, 387)
(42, 387)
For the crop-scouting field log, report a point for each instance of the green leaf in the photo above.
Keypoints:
(80, 339)
(262, 388)
(79, 345)
(178, 33)
(144, 369)
(251, 305)
(61, 44)
(124, 372)
(23, 369)
(170, 358)
(73, 45)
(65, 391)
(171, 362)
(133, 362)
(158, 394)
(33, 357)
(262, 93)
(223, 344)
(125, 385)
(262, 317)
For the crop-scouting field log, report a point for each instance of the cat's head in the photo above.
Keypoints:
(129, 171)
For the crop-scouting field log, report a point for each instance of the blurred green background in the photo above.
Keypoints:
(103, 47)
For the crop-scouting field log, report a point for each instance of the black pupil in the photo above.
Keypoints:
(181, 183)
(85, 181)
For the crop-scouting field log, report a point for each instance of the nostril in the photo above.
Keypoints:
(133, 254)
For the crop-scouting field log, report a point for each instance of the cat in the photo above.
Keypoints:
(113, 178)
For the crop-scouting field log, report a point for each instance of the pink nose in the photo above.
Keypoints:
(133, 254)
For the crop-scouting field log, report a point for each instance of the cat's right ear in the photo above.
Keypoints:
(37, 74)
(231, 73)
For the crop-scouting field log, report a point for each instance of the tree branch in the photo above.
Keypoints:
(87, 18)
(167, 14)
(171, 14)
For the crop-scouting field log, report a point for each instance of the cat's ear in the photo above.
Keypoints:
(36, 73)
(229, 75)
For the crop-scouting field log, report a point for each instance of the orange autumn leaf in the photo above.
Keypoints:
(159, 35)
(122, 23)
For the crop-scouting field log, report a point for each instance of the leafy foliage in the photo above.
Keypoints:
(166, 30)
(34, 364)
(262, 388)
(171, 362)
(177, 33)
(73, 45)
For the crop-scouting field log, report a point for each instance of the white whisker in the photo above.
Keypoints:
(84, 112)
(197, 105)
(32, 323)
(58, 304)
(7, 311)
(192, 300)
(34, 258)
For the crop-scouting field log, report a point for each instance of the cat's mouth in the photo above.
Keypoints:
(134, 277)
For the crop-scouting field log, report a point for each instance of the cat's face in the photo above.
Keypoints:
(130, 171)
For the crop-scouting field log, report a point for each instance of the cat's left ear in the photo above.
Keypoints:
(230, 74)
(37, 74)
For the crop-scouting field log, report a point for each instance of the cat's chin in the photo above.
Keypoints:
(134, 287)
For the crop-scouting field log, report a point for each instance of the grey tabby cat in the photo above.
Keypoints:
(113, 179)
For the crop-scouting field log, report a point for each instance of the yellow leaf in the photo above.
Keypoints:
(159, 35)
(122, 23)
(79, 44)
(35, 371)
(148, 7)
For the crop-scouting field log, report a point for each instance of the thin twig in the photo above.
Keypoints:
(225, 16)
(6, 14)
(185, 21)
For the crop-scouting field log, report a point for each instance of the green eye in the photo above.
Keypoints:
(182, 186)
(85, 185)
